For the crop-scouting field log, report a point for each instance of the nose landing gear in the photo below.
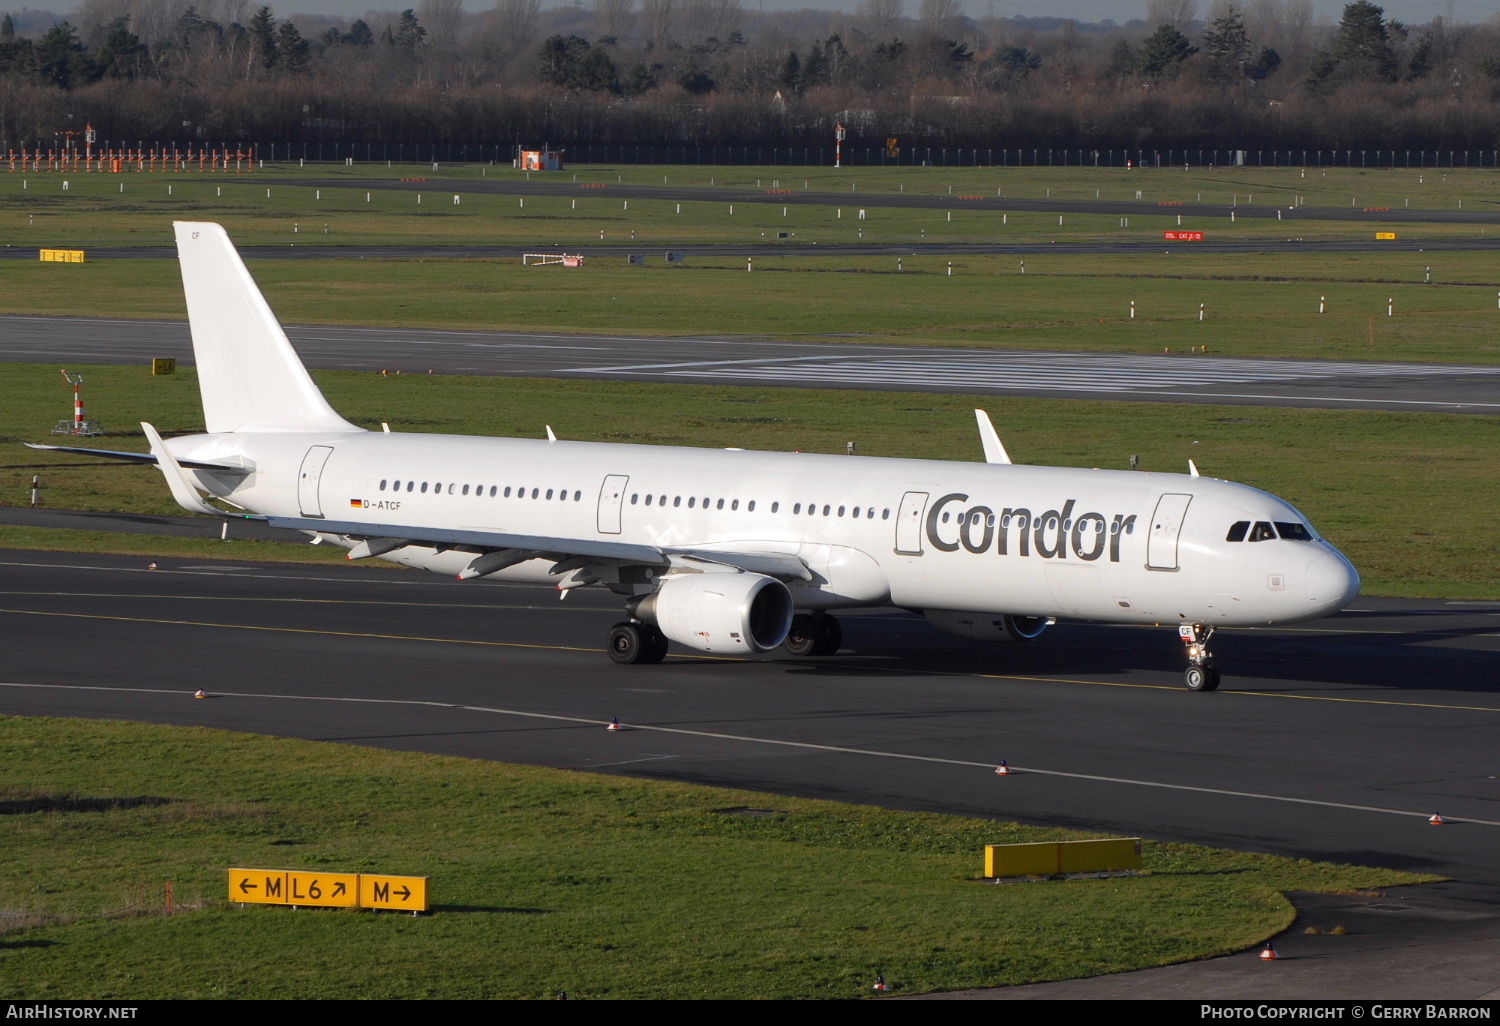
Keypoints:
(1201, 674)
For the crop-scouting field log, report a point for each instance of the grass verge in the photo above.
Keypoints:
(546, 880)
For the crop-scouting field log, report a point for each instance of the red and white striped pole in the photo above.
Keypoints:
(838, 144)
(76, 380)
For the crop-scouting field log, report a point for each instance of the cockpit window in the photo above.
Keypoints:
(1237, 531)
(1295, 532)
(1262, 531)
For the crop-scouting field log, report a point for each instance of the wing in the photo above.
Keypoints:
(577, 557)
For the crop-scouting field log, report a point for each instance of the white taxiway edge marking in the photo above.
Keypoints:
(808, 745)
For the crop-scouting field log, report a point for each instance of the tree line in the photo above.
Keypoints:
(1262, 75)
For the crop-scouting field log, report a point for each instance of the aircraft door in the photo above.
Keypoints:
(611, 500)
(1166, 523)
(909, 524)
(308, 478)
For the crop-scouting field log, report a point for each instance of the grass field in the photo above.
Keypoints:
(262, 209)
(1263, 307)
(1395, 491)
(544, 880)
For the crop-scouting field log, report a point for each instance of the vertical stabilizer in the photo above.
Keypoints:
(249, 376)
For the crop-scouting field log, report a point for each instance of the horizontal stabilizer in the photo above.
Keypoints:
(146, 458)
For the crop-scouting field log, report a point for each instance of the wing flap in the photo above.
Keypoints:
(414, 535)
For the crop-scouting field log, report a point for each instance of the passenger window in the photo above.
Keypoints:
(945, 517)
(692, 501)
(775, 507)
(382, 484)
(412, 484)
(507, 491)
(466, 489)
(1262, 531)
(796, 507)
(751, 507)
(633, 499)
(871, 513)
(735, 504)
(549, 493)
(1293, 532)
(648, 500)
(826, 509)
(424, 487)
(885, 514)
(841, 511)
(720, 504)
(855, 512)
(492, 491)
(676, 501)
(534, 492)
(577, 495)
(1237, 531)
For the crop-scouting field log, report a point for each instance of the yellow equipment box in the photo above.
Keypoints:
(1049, 858)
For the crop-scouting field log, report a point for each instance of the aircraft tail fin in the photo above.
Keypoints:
(249, 376)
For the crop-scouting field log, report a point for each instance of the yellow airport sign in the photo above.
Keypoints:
(258, 886)
(62, 256)
(1385, 235)
(328, 890)
(404, 893)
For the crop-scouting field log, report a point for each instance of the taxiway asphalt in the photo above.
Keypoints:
(849, 364)
(1330, 740)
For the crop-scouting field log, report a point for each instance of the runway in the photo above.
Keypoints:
(1444, 388)
(1331, 740)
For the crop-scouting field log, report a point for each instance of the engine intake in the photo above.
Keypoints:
(736, 613)
(988, 626)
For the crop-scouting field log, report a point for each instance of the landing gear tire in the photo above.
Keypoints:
(1201, 678)
(813, 634)
(632, 643)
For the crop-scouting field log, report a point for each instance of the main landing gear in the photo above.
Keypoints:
(1201, 674)
(813, 634)
(636, 642)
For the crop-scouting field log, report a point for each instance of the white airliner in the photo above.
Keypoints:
(729, 551)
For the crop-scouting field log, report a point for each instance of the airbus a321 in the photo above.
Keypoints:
(730, 551)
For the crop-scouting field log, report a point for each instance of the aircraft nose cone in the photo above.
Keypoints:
(1332, 581)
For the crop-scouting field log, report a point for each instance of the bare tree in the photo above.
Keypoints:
(614, 19)
(443, 20)
(658, 19)
(705, 19)
(512, 24)
(941, 17)
(880, 16)
(1176, 13)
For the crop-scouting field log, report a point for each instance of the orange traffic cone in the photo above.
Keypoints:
(200, 693)
(880, 982)
(614, 723)
(1002, 770)
(1268, 953)
(1436, 820)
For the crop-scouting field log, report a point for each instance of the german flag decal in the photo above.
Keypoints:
(357, 503)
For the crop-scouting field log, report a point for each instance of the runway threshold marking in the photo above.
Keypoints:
(735, 659)
(778, 742)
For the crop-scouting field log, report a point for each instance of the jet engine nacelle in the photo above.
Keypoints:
(988, 626)
(737, 613)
